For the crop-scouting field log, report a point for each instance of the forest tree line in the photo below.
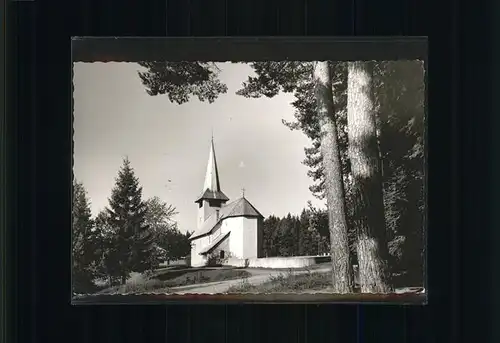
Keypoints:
(366, 125)
(296, 235)
(130, 235)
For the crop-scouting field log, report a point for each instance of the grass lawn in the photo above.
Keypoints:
(287, 282)
(311, 282)
(164, 279)
(287, 270)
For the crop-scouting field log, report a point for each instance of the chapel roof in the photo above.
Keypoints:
(214, 244)
(208, 194)
(238, 208)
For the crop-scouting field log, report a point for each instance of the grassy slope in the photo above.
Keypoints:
(162, 281)
(287, 282)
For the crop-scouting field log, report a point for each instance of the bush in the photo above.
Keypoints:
(214, 259)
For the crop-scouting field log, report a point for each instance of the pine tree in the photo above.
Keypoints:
(182, 80)
(285, 239)
(85, 257)
(110, 261)
(399, 99)
(132, 242)
(368, 202)
(266, 237)
(279, 237)
(316, 80)
(309, 235)
(270, 226)
(304, 234)
(400, 93)
(296, 235)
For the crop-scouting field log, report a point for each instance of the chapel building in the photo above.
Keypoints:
(225, 230)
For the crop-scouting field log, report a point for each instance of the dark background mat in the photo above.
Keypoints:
(39, 160)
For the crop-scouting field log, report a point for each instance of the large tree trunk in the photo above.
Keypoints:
(369, 221)
(334, 187)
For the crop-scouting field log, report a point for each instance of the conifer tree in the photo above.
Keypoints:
(364, 154)
(308, 244)
(132, 242)
(279, 237)
(270, 225)
(110, 262)
(84, 242)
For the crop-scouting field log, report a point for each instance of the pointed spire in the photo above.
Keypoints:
(211, 186)
(212, 176)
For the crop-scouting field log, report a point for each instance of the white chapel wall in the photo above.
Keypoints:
(204, 212)
(250, 238)
(198, 260)
(225, 226)
(235, 226)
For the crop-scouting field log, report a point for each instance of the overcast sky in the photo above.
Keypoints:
(168, 144)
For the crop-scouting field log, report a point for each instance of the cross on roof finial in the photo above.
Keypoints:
(243, 192)
(212, 133)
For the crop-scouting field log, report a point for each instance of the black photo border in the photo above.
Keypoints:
(18, 172)
(130, 49)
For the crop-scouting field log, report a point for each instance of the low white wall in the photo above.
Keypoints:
(278, 262)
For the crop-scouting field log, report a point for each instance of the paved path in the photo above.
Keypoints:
(259, 276)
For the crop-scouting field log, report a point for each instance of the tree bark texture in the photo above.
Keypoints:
(342, 279)
(371, 242)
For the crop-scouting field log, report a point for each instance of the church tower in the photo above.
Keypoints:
(211, 198)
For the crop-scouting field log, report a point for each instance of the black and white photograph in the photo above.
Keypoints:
(249, 177)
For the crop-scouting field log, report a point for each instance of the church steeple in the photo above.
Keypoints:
(211, 186)
(212, 175)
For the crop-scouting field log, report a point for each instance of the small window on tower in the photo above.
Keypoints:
(222, 254)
